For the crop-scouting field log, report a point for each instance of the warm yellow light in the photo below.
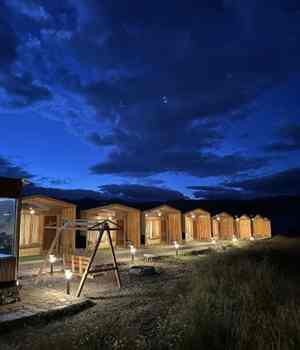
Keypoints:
(234, 239)
(193, 216)
(213, 241)
(176, 245)
(251, 238)
(68, 274)
(218, 218)
(159, 214)
(31, 211)
(132, 250)
(52, 258)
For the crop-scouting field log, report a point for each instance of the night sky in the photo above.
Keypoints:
(151, 99)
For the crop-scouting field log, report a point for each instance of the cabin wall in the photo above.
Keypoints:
(68, 236)
(244, 228)
(153, 230)
(134, 228)
(189, 228)
(31, 234)
(216, 231)
(174, 227)
(203, 224)
(258, 227)
(268, 228)
(226, 227)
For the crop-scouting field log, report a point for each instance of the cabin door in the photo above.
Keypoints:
(50, 226)
(164, 230)
(120, 234)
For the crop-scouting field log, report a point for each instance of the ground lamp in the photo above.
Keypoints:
(68, 276)
(132, 252)
(234, 239)
(52, 260)
(213, 241)
(176, 246)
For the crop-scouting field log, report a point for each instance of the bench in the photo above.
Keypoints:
(79, 263)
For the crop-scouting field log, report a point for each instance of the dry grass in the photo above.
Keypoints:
(245, 299)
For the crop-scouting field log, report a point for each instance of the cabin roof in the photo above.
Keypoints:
(197, 210)
(163, 207)
(46, 201)
(115, 206)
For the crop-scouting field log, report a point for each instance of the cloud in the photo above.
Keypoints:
(289, 140)
(9, 169)
(192, 163)
(217, 192)
(22, 91)
(8, 38)
(139, 193)
(281, 183)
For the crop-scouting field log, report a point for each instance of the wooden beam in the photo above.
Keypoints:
(86, 272)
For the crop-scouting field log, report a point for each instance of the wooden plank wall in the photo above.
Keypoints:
(216, 230)
(226, 227)
(203, 224)
(244, 228)
(174, 227)
(258, 227)
(69, 236)
(134, 228)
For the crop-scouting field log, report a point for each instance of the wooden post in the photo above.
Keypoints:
(86, 272)
(114, 256)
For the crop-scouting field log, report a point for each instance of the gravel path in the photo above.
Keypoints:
(131, 313)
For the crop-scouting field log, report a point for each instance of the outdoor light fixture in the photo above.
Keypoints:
(234, 239)
(251, 238)
(218, 218)
(159, 214)
(146, 215)
(193, 216)
(213, 241)
(132, 252)
(52, 260)
(110, 218)
(31, 211)
(176, 246)
(68, 276)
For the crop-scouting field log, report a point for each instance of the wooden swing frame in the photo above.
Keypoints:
(86, 225)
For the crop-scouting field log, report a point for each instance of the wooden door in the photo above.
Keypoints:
(50, 226)
(164, 230)
(120, 236)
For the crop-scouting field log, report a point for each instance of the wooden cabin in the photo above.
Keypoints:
(268, 228)
(223, 226)
(197, 225)
(10, 194)
(243, 227)
(127, 218)
(41, 217)
(162, 225)
(258, 227)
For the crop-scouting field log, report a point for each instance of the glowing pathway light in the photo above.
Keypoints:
(213, 241)
(68, 277)
(132, 252)
(252, 238)
(234, 239)
(52, 260)
(176, 246)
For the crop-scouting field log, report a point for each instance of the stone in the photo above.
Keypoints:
(143, 271)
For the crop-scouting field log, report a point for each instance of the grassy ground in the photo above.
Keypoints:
(245, 298)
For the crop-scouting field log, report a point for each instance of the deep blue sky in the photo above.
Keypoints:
(152, 99)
